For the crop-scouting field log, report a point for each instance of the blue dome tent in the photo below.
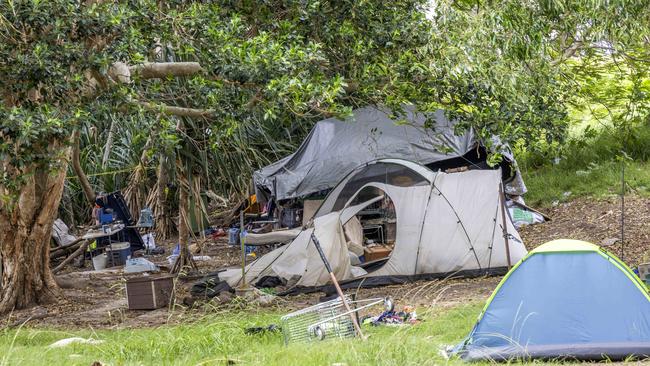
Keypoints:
(565, 299)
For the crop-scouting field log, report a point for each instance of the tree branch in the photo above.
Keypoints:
(161, 70)
(177, 111)
(568, 52)
(76, 165)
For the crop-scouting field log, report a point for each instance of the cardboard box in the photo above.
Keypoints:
(377, 252)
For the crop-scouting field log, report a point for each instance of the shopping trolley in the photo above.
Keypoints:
(326, 320)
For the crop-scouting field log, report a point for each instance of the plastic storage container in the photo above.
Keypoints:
(118, 253)
(100, 261)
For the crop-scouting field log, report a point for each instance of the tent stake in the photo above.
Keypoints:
(502, 198)
(623, 210)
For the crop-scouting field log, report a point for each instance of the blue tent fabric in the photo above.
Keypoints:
(562, 304)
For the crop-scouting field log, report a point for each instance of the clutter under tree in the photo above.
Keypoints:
(262, 73)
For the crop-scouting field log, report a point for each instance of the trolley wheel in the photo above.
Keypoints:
(319, 333)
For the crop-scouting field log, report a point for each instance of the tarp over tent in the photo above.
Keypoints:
(445, 223)
(334, 148)
(566, 299)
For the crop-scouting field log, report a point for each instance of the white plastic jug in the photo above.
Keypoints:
(100, 261)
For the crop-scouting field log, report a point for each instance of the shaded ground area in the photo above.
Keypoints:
(598, 222)
(97, 300)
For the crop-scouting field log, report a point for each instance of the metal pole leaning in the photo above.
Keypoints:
(502, 198)
(357, 328)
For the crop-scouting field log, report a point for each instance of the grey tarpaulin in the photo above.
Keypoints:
(334, 148)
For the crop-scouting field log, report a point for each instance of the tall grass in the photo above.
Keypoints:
(589, 165)
(219, 339)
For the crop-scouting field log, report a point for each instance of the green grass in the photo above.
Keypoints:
(552, 183)
(217, 338)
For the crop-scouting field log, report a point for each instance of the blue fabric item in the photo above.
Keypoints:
(560, 299)
(105, 218)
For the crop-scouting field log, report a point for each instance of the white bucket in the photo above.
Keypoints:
(120, 245)
(100, 261)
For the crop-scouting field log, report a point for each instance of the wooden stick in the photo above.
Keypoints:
(242, 241)
(62, 250)
(72, 256)
(353, 317)
(502, 198)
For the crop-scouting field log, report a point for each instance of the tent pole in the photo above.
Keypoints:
(623, 210)
(243, 248)
(502, 198)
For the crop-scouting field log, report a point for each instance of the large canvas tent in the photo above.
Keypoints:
(334, 148)
(445, 224)
(567, 298)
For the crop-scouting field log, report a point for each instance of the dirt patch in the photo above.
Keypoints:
(99, 301)
(598, 222)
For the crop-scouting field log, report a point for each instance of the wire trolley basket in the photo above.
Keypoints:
(326, 320)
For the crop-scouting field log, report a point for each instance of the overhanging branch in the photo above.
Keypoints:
(161, 70)
(177, 111)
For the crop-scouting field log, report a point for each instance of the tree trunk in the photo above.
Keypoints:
(25, 230)
(185, 257)
(76, 165)
(157, 200)
(109, 143)
(135, 193)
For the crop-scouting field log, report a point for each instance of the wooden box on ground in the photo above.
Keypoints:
(377, 252)
(149, 292)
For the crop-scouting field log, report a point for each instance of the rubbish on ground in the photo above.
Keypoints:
(643, 272)
(326, 320)
(175, 253)
(233, 236)
(565, 299)
(157, 251)
(609, 242)
(214, 233)
(100, 261)
(149, 292)
(75, 340)
(146, 218)
(394, 318)
(149, 241)
(61, 233)
(521, 217)
(258, 330)
(134, 265)
(201, 257)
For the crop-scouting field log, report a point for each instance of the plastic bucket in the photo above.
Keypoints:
(119, 253)
(100, 261)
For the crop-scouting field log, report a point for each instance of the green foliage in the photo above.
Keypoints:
(271, 69)
(216, 339)
(588, 165)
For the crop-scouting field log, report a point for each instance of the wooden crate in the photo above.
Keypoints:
(377, 252)
(149, 292)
